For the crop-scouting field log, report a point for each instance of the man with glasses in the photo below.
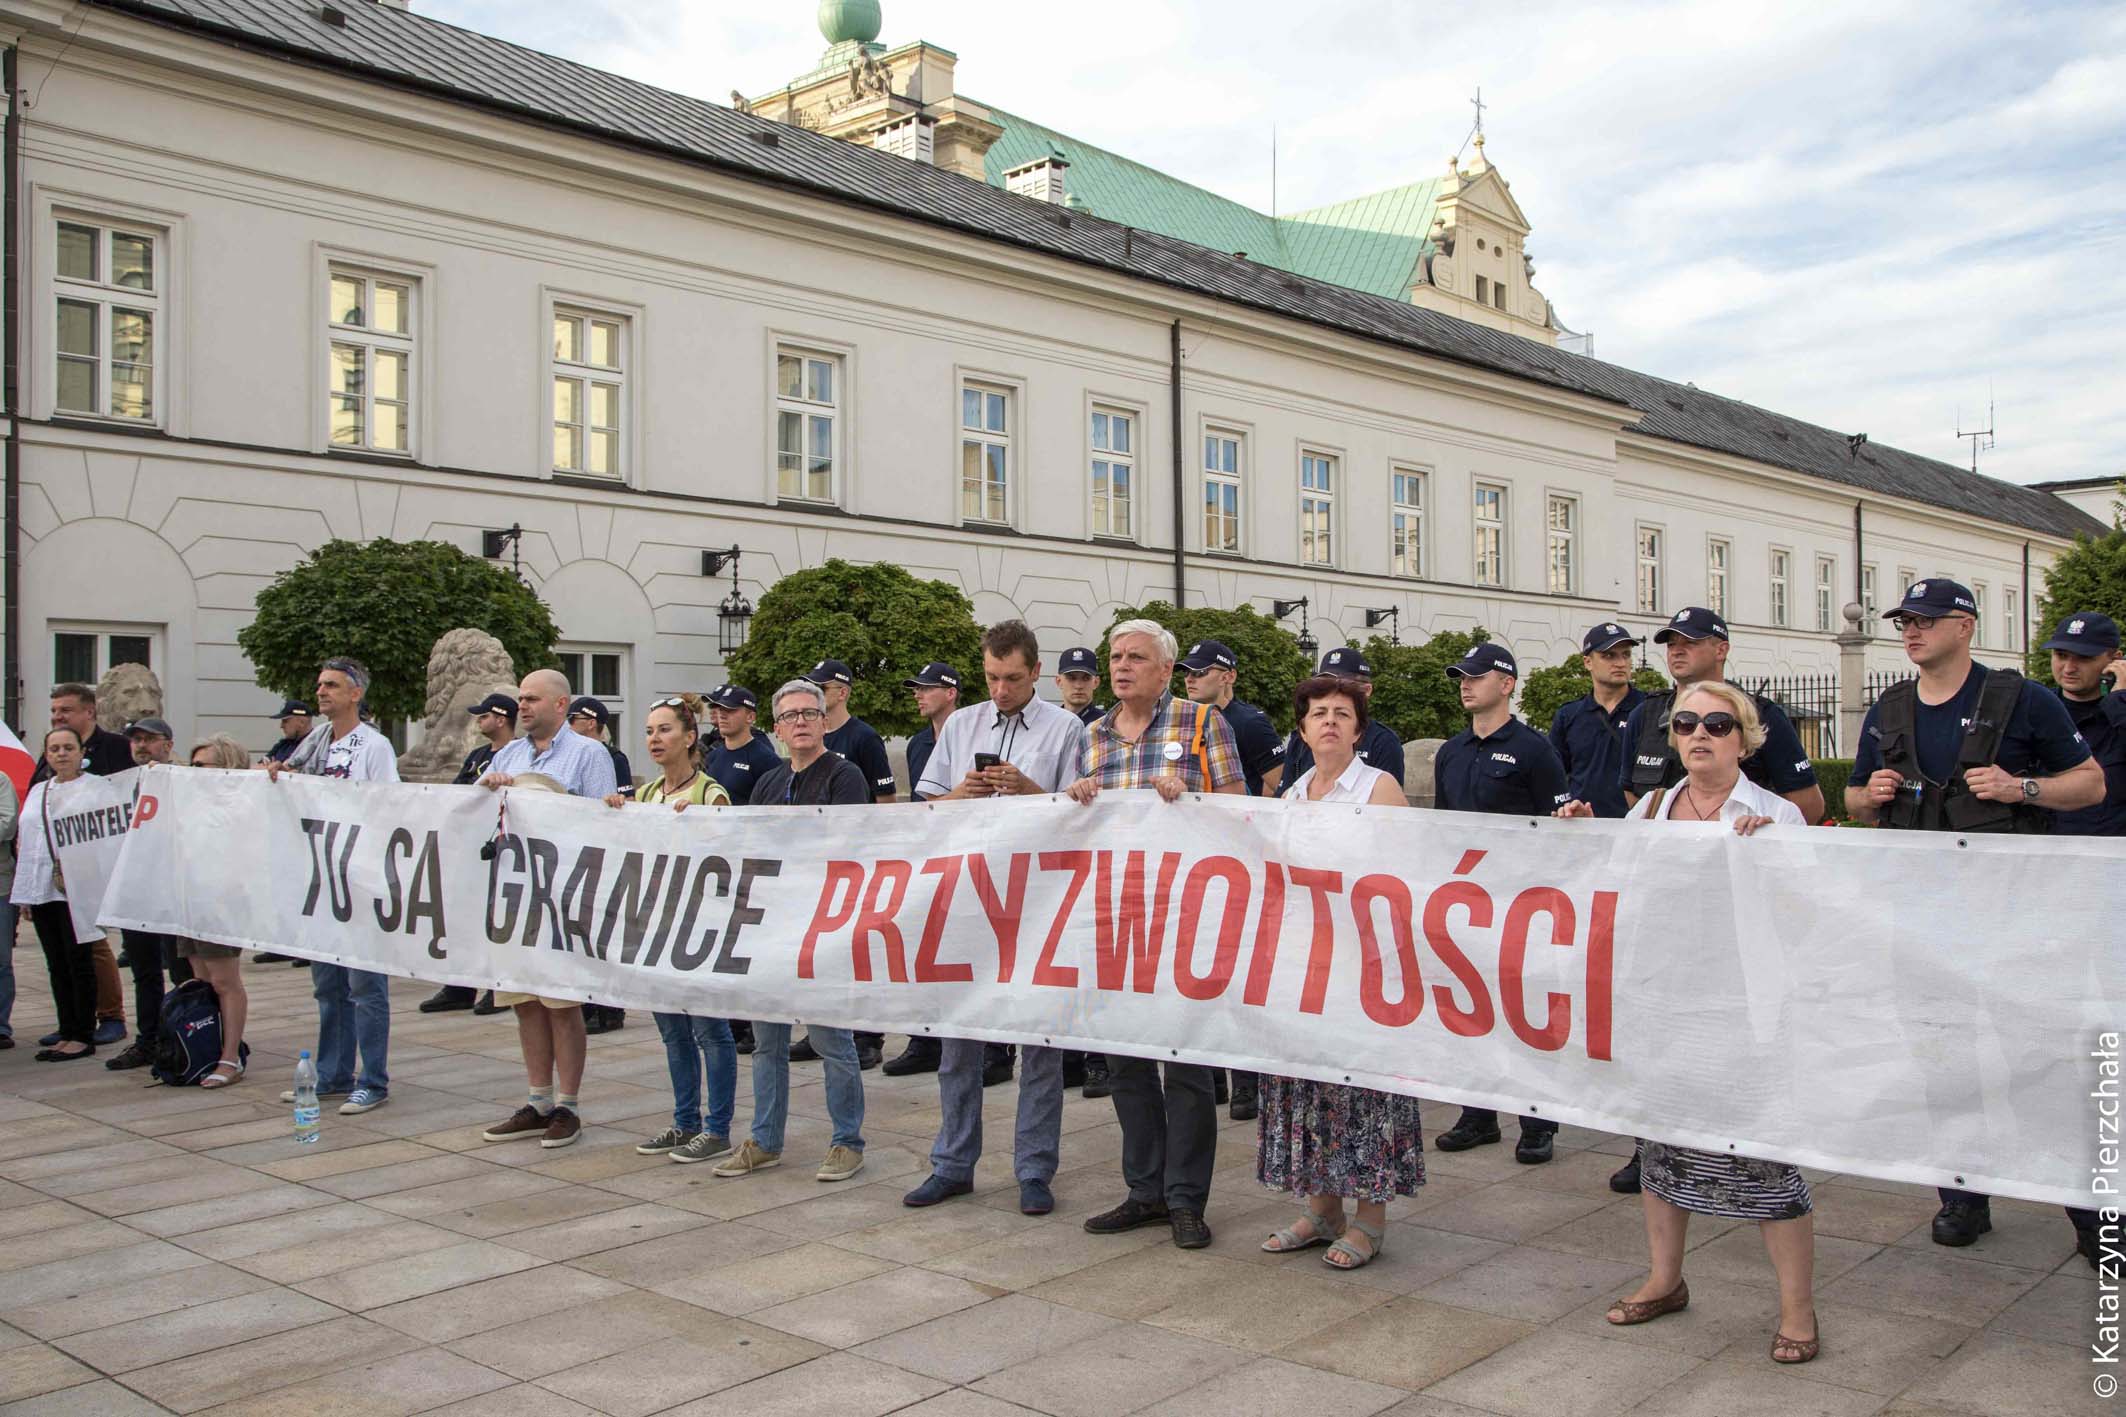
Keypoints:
(1964, 749)
(1497, 764)
(1014, 745)
(813, 777)
(1377, 747)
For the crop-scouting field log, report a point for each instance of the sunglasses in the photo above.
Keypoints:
(1718, 725)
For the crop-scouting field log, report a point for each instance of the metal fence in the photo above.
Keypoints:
(1811, 701)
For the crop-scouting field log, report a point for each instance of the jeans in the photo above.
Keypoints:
(145, 956)
(1169, 1134)
(771, 1084)
(72, 968)
(1039, 1134)
(7, 973)
(353, 1012)
(1530, 1126)
(690, 1045)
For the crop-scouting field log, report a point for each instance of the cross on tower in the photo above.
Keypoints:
(1478, 102)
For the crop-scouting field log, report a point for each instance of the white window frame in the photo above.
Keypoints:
(46, 206)
(105, 299)
(1566, 539)
(1233, 483)
(1871, 596)
(1649, 574)
(1317, 505)
(1478, 523)
(808, 410)
(2012, 615)
(1828, 619)
(1781, 571)
(1981, 629)
(555, 304)
(1007, 439)
(1409, 553)
(588, 651)
(1720, 576)
(104, 631)
(1099, 465)
(369, 341)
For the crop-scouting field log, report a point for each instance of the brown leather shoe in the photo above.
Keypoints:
(526, 1121)
(562, 1128)
(1639, 1311)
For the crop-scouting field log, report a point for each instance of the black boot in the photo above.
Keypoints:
(1073, 1068)
(446, 999)
(802, 1051)
(1479, 1129)
(1243, 1108)
(1960, 1221)
(996, 1063)
(486, 1004)
(742, 1034)
(920, 1056)
(1625, 1179)
(1220, 1093)
(1097, 1081)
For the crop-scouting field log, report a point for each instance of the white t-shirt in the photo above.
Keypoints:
(364, 755)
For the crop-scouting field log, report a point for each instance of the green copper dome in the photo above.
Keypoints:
(844, 20)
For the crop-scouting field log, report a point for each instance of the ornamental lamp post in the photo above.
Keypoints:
(734, 617)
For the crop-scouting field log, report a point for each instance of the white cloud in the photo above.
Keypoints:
(1867, 216)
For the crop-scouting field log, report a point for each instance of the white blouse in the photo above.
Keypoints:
(33, 855)
(1747, 800)
(1353, 784)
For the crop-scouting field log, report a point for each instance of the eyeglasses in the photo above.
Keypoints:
(803, 715)
(1719, 725)
(1917, 622)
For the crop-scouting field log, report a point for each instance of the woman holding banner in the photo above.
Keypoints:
(1320, 1140)
(693, 1047)
(221, 965)
(1713, 727)
(41, 889)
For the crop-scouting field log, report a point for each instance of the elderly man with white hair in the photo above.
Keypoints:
(1152, 739)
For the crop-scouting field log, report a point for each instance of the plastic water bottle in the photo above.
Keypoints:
(306, 1108)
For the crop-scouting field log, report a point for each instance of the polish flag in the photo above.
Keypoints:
(15, 761)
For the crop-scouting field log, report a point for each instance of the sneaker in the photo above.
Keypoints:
(109, 1030)
(526, 1121)
(364, 1099)
(136, 1056)
(842, 1162)
(666, 1141)
(702, 1146)
(749, 1157)
(288, 1094)
(562, 1128)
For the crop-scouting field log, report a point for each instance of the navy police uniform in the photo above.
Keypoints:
(856, 740)
(1589, 739)
(935, 675)
(1261, 750)
(1649, 760)
(737, 769)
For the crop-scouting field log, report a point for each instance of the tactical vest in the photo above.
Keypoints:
(1951, 806)
(1654, 762)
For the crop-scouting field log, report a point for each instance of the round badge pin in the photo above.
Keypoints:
(1173, 752)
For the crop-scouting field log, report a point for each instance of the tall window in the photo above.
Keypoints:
(1650, 587)
(109, 294)
(1317, 509)
(1114, 473)
(1782, 578)
(1563, 531)
(1868, 620)
(807, 424)
(370, 389)
(1718, 553)
(1407, 524)
(589, 373)
(1490, 507)
(985, 453)
(598, 673)
(1221, 492)
(2012, 610)
(1826, 594)
(81, 654)
(1981, 629)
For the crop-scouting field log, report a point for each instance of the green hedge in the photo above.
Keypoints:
(1832, 775)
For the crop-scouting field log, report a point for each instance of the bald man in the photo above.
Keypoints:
(579, 764)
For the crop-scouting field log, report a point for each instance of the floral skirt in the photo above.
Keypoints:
(1717, 1183)
(1323, 1139)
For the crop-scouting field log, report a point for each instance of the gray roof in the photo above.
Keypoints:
(406, 48)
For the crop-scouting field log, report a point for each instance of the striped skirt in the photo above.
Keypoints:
(1716, 1183)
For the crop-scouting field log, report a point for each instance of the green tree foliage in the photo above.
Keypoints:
(2091, 576)
(1411, 691)
(386, 603)
(1544, 691)
(882, 622)
(1834, 775)
(1271, 665)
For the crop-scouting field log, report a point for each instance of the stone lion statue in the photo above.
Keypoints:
(125, 694)
(464, 667)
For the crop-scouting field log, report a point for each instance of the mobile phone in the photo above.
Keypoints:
(983, 762)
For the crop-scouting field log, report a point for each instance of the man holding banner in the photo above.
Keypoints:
(1151, 739)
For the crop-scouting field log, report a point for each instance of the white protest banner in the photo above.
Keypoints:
(85, 824)
(1924, 1008)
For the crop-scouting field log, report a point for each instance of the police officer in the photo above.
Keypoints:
(588, 715)
(296, 723)
(1078, 682)
(1697, 645)
(1497, 764)
(2085, 645)
(1965, 749)
(937, 697)
(739, 754)
(1377, 747)
(1208, 672)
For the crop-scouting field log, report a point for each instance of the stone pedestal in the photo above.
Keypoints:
(1852, 681)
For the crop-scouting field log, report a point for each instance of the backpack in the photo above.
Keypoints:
(188, 1039)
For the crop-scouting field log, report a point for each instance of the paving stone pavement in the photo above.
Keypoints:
(170, 1251)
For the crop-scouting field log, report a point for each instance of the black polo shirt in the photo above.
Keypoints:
(1261, 750)
(1590, 743)
(858, 742)
(1515, 772)
(738, 769)
(1091, 713)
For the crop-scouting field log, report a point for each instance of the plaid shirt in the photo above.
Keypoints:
(1167, 748)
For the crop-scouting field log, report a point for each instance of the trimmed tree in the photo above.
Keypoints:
(2091, 576)
(1411, 691)
(1544, 691)
(386, 603)
(1271, 665)
(882, 622)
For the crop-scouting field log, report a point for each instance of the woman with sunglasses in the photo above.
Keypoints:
(696, 1050)
(1713, 727)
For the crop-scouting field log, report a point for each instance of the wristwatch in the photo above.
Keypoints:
(2030, 789)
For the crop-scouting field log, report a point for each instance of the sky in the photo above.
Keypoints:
(1875, 217)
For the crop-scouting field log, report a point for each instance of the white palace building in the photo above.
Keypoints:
(280, 271)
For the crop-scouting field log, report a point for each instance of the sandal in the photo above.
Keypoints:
(1353, 1257)
(1289, 1240)
(214, 1077)
(1794, 1350)
(1639, 1311)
